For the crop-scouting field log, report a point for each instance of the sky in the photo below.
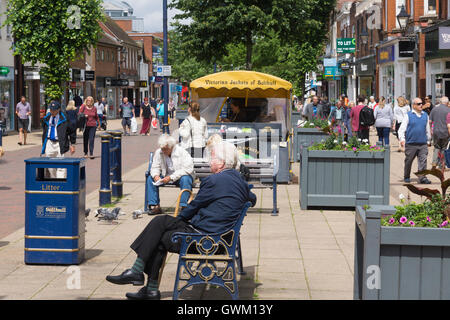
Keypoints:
(152, 12)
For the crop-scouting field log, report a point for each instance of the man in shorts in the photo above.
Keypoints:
(23, 110)
(127, 110)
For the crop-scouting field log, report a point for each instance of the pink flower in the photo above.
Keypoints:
(428, 219)
(444, 224)
(403, 220)
(412, 223)
(354, 149)
(391, 221)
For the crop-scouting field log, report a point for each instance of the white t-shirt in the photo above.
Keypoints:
(100, 107)
(169, 164)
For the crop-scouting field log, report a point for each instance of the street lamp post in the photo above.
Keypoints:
(166, 56)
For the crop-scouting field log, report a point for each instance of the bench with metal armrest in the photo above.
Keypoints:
(210, 259)
(263, 174)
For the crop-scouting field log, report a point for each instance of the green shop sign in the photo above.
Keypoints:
(4, 71)
(346, 45)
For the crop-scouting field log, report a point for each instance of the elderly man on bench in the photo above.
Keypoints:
(171, 164)
(215, 209)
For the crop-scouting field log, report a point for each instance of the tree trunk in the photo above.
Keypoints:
(249, 44)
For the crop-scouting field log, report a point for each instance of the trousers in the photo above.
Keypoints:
(88, 140)
(52, 150)
(185, 182)
(411, 152)
(155, 241)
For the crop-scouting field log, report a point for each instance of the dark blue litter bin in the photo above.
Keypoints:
(55, 211)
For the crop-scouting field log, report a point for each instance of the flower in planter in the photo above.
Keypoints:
(403, 220)
(444, 224)
(428, 219)
(355, 149)
(412, 223)
(391, 221)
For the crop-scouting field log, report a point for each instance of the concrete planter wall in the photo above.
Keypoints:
(395, 263)
(306, 136)
(332, 178)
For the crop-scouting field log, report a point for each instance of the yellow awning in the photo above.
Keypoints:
(241, 84)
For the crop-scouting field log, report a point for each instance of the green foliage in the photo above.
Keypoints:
(280, 37)
(430, 214)
(316, 122)
(335, 142)
(42, 35)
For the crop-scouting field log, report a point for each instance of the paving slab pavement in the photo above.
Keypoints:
(296, 255)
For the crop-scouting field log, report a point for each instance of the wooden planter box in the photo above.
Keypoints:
(306, 136)
(332, 178)
(413, 263)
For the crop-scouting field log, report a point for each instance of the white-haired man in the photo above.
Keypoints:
(171, 164)
(414, 135)
(438, 121)
(215, 209)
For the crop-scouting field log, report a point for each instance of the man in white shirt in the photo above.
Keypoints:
(415, 135)
(171, 164)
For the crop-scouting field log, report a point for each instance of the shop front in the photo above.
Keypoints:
(105, 90)
(437, 47)
(365, 72)
(7, 97)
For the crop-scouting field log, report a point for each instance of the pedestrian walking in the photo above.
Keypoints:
(23, 111)
(58, 137)
(90, 113)
(72, 114)
(160, 109)
(414, 135)
(428, 105)
(348, 118)
(372, 103)
(171, 107)
(127, 110)
(137, 108)
(384, 120)
(338, 115)
(438, 121)
(101, 110)
(360, 129)
(146, 115)
(326, 107)
(194, 132)
(314, 109)
(401, 109)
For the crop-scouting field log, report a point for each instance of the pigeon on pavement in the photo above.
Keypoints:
(137, 214)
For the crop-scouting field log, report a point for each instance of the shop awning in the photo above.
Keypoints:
(241, 84)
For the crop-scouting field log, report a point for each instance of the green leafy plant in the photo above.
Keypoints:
(429, 214)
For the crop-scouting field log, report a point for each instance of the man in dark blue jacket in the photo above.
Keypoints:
(215, 209)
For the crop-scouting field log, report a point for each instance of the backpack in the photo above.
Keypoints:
(366, 117)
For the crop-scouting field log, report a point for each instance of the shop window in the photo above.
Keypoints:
(436, 66)
(410, 68)
(447, 64)
(103, 55)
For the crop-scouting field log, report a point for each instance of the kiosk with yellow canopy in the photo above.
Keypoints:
(265, 101)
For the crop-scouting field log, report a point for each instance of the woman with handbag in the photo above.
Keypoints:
(146, 115)
(194, 132)
(92, 122)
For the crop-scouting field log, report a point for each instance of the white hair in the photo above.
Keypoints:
(166, 141)
(444, 100)
(225, 152)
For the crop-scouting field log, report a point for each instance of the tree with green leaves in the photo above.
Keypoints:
(215, 25)
(54, 33)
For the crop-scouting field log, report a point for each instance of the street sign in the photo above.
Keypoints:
(119, 82)
(4, 71)
(346, 45)
(159, 80)
(164, 71)
(89, 75)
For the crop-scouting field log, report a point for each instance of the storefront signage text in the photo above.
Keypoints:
(346, 45)
(386, 54)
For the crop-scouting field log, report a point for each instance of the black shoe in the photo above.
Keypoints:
(156, 210)
(425, 181)
(144, 294)
(127, 277)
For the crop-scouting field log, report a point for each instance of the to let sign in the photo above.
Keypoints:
(346, 45)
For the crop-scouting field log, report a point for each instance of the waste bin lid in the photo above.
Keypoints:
(45, 160)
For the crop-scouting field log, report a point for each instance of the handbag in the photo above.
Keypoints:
(154, 123)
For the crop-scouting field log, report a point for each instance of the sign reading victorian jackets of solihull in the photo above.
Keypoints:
(444, 38)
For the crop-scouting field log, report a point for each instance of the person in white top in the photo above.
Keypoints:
(194, 132)
(401, 110)
(171, 164)
(372, 103)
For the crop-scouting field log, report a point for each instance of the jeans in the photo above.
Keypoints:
(161, 122)
(440, 145)
(383, 135)
(185, 182)
(88, 140)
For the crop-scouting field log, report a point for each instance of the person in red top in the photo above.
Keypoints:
(362, 132)
(92, 122)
